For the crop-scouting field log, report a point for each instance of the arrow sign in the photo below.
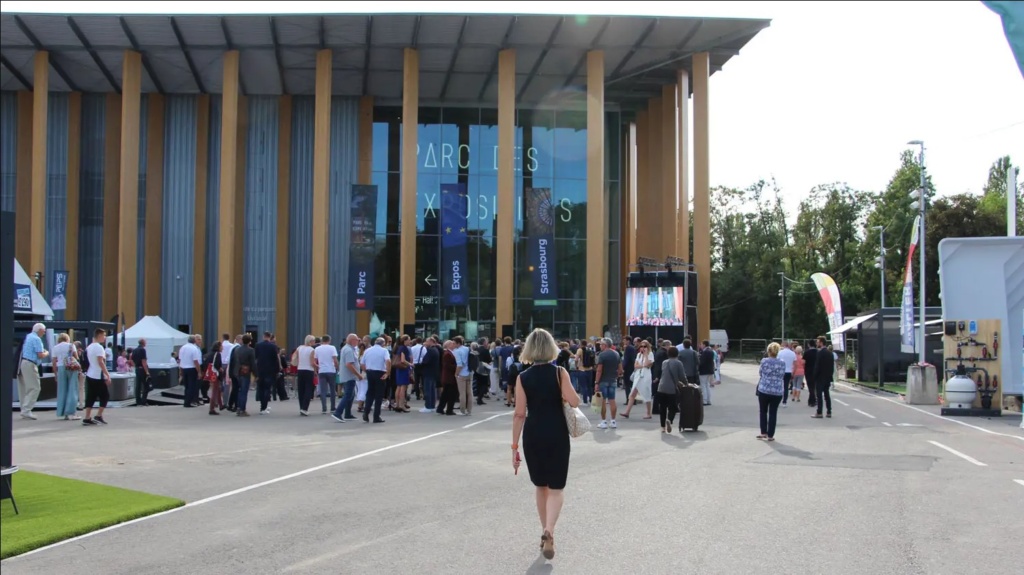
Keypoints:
(430, 279)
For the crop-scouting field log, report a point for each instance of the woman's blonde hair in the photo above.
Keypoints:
(773, 349)
(799, 350)
(539, 348)
(310, 339)
(63, 338)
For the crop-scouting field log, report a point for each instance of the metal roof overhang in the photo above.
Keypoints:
(852, 324)
(182, 54)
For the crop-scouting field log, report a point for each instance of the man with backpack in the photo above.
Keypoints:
(586, 360)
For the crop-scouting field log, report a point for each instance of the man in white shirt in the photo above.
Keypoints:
(788, 356)
(96, 379)
(376, 361)
(190, 358)
(325, 359)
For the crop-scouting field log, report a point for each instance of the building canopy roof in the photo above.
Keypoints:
(182, 54)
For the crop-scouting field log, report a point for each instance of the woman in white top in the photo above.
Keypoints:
(67, 379)
(302, 359)
(641, 379)
(495, 369)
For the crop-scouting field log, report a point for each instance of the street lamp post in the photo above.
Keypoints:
(880, 260)
(782, 297)
(880, 264)
(921, 247)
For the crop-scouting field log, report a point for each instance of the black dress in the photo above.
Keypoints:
(545, 435)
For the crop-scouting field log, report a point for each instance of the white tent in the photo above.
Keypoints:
(39, 306)
(161, 339)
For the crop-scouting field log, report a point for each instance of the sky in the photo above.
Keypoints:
(831, 92)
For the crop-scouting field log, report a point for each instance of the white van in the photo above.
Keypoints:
(721, 338)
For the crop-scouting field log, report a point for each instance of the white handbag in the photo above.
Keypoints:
(575, 420)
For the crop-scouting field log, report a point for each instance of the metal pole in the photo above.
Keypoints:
(921, 350)
(1011, 201)
(782, 296)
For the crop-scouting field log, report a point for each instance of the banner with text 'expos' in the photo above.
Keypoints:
(540, 229)
(829, 292)
(362, 247)
(454, 290)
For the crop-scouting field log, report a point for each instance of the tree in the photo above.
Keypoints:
(993, 198)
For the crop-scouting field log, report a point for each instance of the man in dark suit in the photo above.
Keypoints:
(628, 364)
(268, 365)
(824, 365)
(810, 360)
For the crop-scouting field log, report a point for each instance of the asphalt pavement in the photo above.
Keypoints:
(882, 488)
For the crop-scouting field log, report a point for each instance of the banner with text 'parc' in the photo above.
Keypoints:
(362, 247)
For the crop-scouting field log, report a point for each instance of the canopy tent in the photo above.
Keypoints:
(39, 307)
(852, 324)
(161, 339)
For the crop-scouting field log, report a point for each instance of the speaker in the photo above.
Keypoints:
(185, 328)
(950, 328)
(409, 329)
(507, 331)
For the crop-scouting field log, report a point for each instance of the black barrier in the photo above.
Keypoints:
(7, 362)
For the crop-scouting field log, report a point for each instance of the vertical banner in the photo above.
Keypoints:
(454, 216)
(362, 247)
(58, 291)
(829, 292)
(23, 298)
(908, 342)
(540, 231)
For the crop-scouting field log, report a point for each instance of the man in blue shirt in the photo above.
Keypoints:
(32, 355)
(462, 375)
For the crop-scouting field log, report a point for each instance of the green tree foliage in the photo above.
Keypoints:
(835, 232)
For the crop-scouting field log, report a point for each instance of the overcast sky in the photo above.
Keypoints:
(832, 91)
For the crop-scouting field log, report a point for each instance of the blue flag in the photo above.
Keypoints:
(454, 262)
(540, 231)
(362, 247)
(1012, 14)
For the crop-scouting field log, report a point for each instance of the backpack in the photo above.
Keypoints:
(474, 361)
(84, 361)
(588, 357)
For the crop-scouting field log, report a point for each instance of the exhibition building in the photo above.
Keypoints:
(477, 174)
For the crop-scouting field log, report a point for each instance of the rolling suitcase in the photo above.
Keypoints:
(691, 406)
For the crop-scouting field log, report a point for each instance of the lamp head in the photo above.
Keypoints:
(915, 143)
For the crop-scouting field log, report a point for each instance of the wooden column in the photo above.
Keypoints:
(37, 204)
(154, 203)
(321, 191)
(200, 224)
(629, 213)
(597, 222)
(73, 201)
(642, 195)
(228, 184)
(284, 179)
(683, 147)
(669, 173)
(128, 218)
(702, 193)
(23, 185)
(407, 220)
(237, 288)
(650, 217)
(111, 206)
(365, 178)
(505, 243)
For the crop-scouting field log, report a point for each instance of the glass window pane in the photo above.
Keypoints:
(539, 143)
(384, 318)
(381, 180)
(428, 141)
(570, 156)
(571, 208)
(612, 145)
(428, 202)
(386, 267)
(380, 146)
(483, 203)
(571, 262)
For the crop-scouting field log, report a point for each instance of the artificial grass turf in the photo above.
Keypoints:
(54, 508)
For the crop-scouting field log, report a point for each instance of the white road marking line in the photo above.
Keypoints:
(936, 415)
(841, 402)
(865, 414)
(887, 424)
(255, 486)
(1020, 481)
(475, 423)
(958, 454)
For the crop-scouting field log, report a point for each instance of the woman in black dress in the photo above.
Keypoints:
(540, 419)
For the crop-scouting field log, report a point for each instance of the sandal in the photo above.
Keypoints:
(547, 546)
(624, 415)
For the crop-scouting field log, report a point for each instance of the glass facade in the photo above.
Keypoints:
(460, 145)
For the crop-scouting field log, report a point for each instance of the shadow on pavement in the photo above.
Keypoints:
(539, 567)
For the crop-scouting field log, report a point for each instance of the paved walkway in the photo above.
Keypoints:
(879, 489)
